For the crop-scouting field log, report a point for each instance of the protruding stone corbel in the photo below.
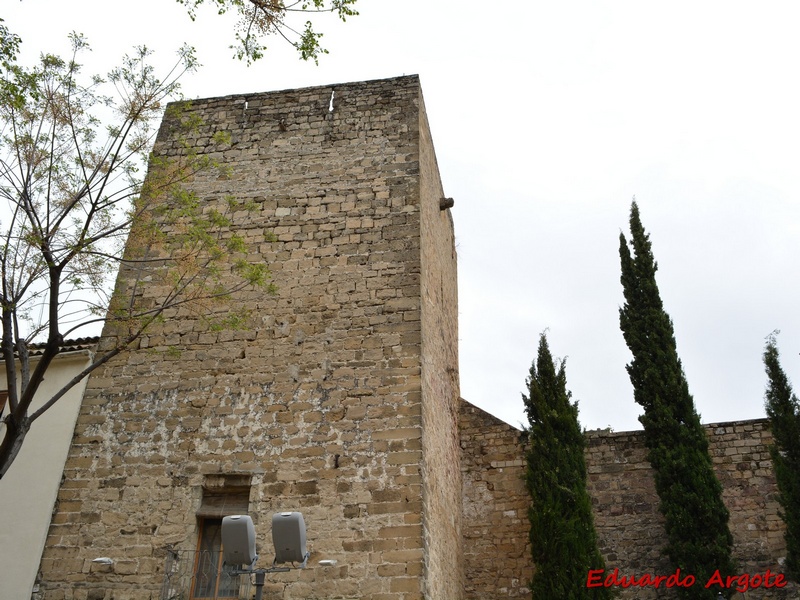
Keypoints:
(446, 203)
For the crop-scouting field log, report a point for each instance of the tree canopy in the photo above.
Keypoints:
(72, 152)
(73, 149)
(696, 520)
(259, 19)
(783, 410)
(563, 538)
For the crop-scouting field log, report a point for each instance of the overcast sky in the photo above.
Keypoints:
(548, 118)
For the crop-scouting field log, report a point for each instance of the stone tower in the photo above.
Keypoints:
(340, 397)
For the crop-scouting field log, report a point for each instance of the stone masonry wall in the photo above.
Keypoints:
(440, 385)
(629, 525)
(497, 552)
(317, 403)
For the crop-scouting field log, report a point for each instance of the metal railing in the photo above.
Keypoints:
(200, 575)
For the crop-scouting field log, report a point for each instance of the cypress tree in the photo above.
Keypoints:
(563, 538)
(696, 520)
(784, 414)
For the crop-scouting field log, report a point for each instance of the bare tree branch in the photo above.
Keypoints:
(73, 194)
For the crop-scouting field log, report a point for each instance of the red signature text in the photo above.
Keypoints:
(746, 581)
(595, 579)
(741, 583)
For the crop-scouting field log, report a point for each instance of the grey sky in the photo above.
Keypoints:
(548, 117)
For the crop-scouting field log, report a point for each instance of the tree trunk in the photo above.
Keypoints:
(12, 441)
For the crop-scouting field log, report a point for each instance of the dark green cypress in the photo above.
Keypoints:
(696, 520)
(784, 414)
(563, 538)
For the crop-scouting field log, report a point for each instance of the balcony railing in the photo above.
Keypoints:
(194, 575)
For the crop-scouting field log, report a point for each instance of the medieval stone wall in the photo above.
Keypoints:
(629, 525)
(440, 384)
(497, 552)
(317, 404)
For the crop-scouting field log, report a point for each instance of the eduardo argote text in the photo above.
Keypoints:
(741, 583)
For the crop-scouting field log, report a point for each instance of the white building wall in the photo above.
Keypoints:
(29, 488)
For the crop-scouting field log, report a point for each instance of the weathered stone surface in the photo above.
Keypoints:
(497, 554)
(627, 519)
(340, 396)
